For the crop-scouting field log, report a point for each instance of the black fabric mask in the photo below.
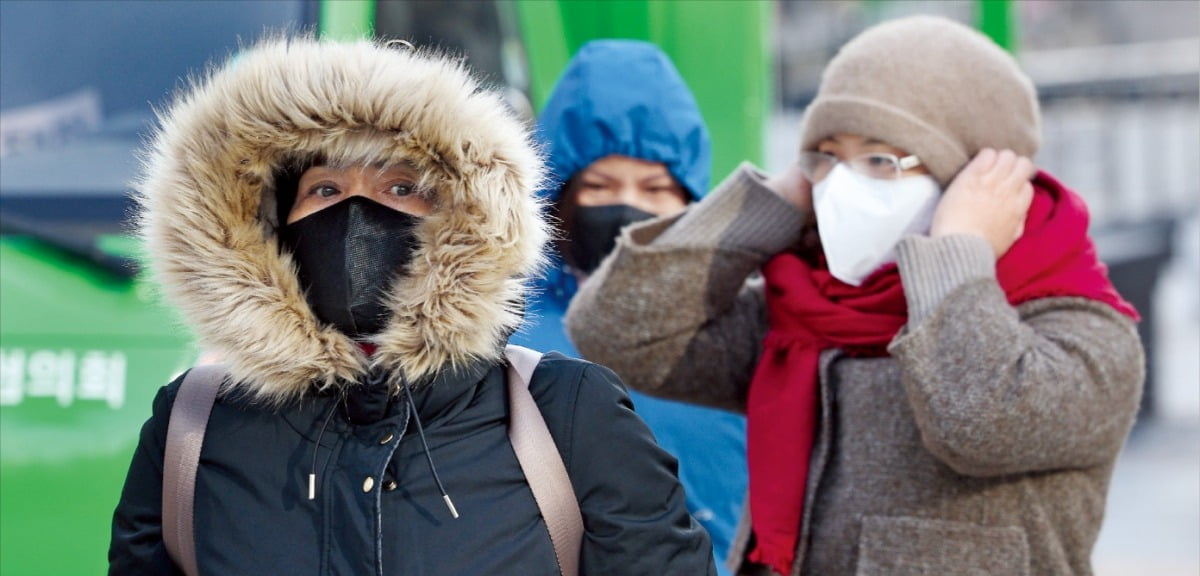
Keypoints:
(595, 230)
(347, 255)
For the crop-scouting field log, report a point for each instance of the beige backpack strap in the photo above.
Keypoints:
(541, 462)
(185, 437)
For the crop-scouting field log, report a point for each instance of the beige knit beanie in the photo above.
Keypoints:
(930, 86)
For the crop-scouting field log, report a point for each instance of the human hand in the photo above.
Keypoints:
(793, 187)
(989, 198)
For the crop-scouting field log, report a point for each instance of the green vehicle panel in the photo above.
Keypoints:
(81, 354)
(85, 341)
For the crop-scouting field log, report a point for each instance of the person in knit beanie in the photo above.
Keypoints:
(937, 373)
(927, 85)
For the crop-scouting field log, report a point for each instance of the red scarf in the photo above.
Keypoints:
(809, 311)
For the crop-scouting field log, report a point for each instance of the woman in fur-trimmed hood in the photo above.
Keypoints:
(350, 228)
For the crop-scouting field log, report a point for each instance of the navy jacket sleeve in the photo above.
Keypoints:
(634, 510)
(137, 546)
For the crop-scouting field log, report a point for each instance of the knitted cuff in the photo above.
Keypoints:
(740, 214)
(932, 268)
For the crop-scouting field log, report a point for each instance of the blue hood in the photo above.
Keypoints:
(624, 97)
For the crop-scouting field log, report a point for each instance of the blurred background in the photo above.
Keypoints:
(85, 343)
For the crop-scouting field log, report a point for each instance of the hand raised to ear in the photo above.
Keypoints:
(989, 198)
(791, 185)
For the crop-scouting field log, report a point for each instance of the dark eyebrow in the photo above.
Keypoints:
(651, 179)
(599, 174)
(866, 141)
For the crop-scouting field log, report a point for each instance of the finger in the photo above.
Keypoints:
(1027, 168)
(1025, 198)
(1006, 162)
(803, 193)
(1020, 232)
(793, 171)
(1020, 172)
(983, 161)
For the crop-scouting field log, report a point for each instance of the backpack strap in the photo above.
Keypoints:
(185, 437)
(531, 440)
(541, 462)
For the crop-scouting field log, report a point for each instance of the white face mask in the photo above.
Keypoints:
(861, 219)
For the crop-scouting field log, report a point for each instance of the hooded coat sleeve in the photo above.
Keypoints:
(634, 508)
(674, 310)
(137, 545)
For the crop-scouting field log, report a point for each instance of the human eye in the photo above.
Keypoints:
(324, 191)
(882, 166)
(402, 189)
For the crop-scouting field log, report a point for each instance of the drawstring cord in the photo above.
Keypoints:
(312, 476)
(412, 409)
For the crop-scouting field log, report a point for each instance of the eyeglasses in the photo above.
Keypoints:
(816, 166)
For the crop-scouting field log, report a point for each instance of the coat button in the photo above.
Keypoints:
(387, 438)
(390, 485)
(368, 484)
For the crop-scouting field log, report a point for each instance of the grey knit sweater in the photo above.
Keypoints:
(983, 444)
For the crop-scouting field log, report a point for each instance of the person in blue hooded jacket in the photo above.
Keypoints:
(626, 142)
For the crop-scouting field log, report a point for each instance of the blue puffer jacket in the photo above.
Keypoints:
(625, 97)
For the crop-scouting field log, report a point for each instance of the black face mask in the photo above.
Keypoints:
(595, 230)
(347, 255)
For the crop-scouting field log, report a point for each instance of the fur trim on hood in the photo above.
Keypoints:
(208, 218)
